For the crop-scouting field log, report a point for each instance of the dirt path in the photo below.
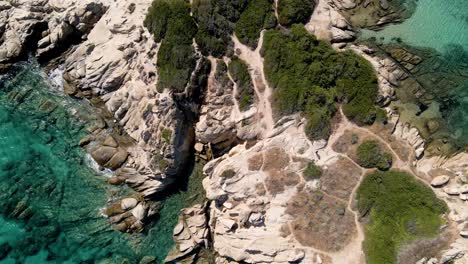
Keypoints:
(255, 63)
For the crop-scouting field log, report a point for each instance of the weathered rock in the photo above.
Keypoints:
(440, 180)
(103, 154)
(128, 203)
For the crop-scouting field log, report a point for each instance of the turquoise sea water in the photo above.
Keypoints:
(439, 29)
(434, 24)
(50, 199)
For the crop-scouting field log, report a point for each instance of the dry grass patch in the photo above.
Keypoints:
(430, 247)
(255, 163)
(275, 159)
(276, 181)
(340, 178)
(344, 142)
(320, 221)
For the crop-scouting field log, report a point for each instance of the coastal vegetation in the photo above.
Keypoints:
(400, 209)
(312, 172)
(241, 76)
(309, 76)
(216, 21)
(258, 15)
(172, 25)
(295, 11)
(371, 155)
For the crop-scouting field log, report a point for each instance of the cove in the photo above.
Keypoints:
(434, 24)
(50, 199)
(437, 33)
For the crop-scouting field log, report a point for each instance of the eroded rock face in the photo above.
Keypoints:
(51, 26)
(116, 64)
(190, 234)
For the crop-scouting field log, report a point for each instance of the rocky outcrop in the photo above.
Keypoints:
(328, 24)
(255, 192)
(116, 64)
(215, 125)
(190, 234)
(44, 26)
(130, 214)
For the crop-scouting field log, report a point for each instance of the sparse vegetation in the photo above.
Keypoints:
(400, 209)
(166, 135)
(171, 24)
(371, 155)
(228, 174)
(245, 90)
(258, 15)
(309, 76)
(312, 172)
(295, 11)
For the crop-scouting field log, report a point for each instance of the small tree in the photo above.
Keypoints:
(370, 155)
(312, 172)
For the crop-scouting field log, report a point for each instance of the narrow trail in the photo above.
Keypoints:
(255, 63)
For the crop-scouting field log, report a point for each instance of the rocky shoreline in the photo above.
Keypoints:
(259, 203)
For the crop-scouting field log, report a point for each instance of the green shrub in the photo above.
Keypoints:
(172, 25)
(166, 134)
(295, 11)
(228, 174)
(309, 76)
(241, 76)
(370, 155)
(216, 21)
(400, 208)
(259, 14)
(312, 172)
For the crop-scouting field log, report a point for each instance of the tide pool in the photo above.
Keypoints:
(434, 24)
(50, 199)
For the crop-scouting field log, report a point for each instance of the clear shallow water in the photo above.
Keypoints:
(434, 24)
(50, 198)
(439, 30)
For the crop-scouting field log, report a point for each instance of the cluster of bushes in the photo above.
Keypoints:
(312, 172)
(258, 15)
(216, 21)
(172, 25)
(370, 155)
(241, 76)
(400, 208)
(295, 11)
(309, 76)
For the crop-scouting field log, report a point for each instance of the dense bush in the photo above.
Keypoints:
(259, 14)
(241, 76)
(312, 172)
(172, 25)
(400, 208)
(370, 155)
(295, 11)
(216, 21)
(309, 76)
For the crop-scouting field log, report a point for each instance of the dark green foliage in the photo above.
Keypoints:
(400, 209)
(295, 11)
(312, 172)
(171, 23)
(309, 76)
(245, 90)
(216, 20)
(227, 174)
(370, 155)
(259, 14)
